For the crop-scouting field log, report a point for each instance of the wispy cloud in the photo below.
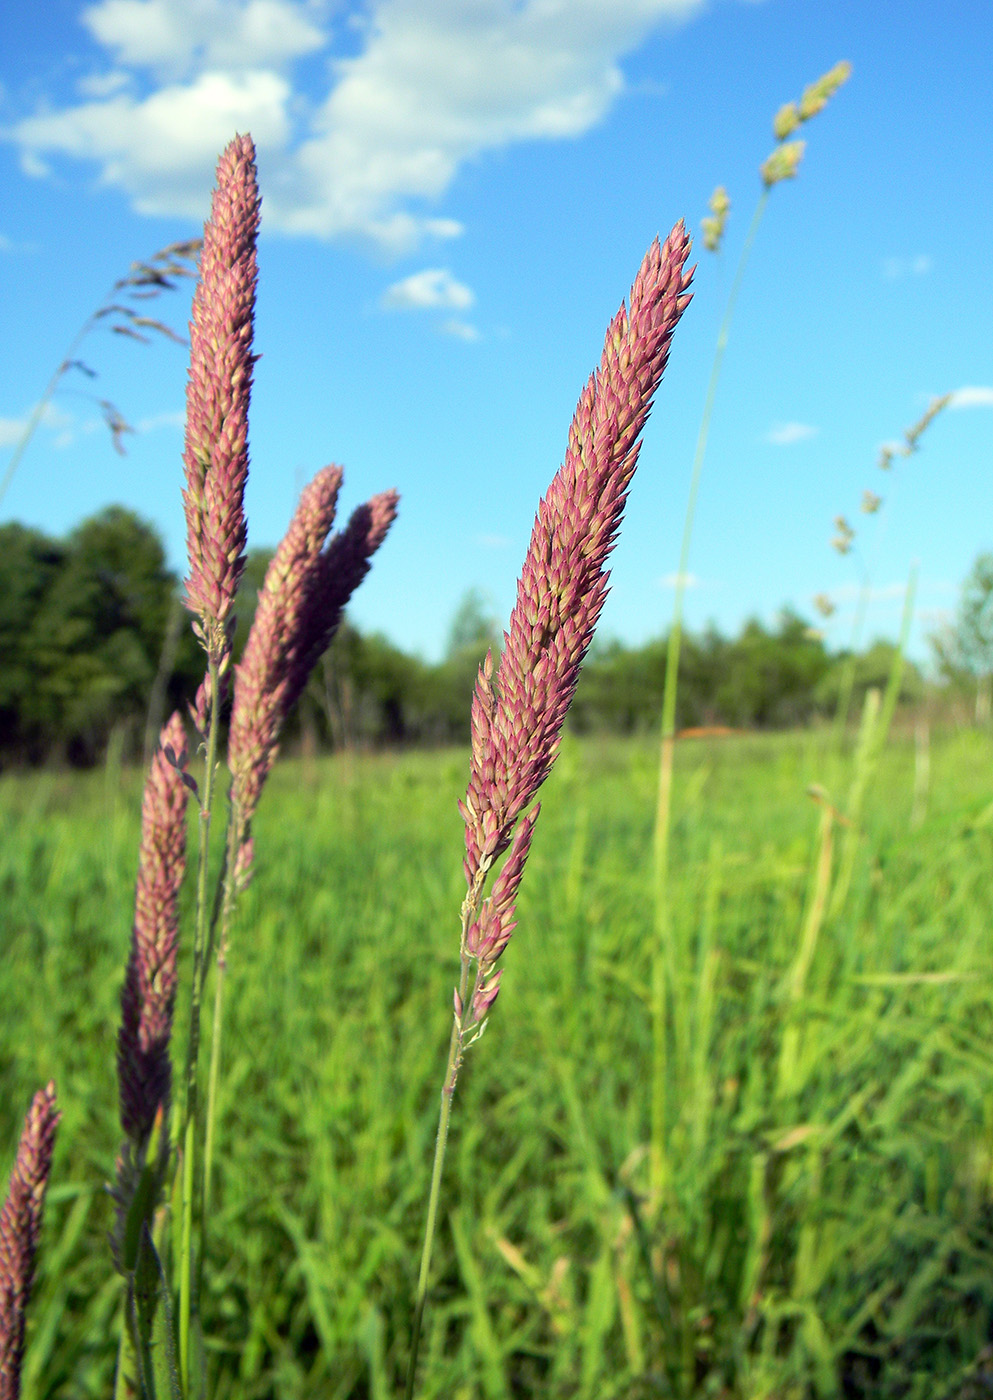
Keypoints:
(174, 418)
(972, 396)
(100, 85)
(54, 419)
(881, 592)
(11, 431)
(896, 268)
(435, 83)
(435, 287)
(672, 580)
(462, 330)
(786, 434)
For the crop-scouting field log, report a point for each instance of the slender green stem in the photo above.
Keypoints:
(186, 1300)
(213, 1077)
(847, 685)
(455, 1049)
(663, 813)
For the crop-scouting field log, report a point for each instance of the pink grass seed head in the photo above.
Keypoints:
(517, 717)
(217, 398)
(20, 1230)
(143, 1065)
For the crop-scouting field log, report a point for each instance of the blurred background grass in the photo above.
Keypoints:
(825, 1226)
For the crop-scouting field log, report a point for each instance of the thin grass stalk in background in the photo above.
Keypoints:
(796, 978)
(663, 812)
(843, 542)
(871, 741)
(151, 278)
(517, 718)
(782, 164)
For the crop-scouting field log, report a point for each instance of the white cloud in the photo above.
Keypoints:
(786, 434)
(434, 287)
(172, 419)
(11, 431)
(462, 330)
(972, 396)
(53, 418)
(162, 150)
(174, 37)
(103, 84)
(437, 83)
(895, 268)
(672, 580)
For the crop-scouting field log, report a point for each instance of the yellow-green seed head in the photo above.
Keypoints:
(842, 541)
(713, 228)
(817, 95)
(783, 164)
(786, 121)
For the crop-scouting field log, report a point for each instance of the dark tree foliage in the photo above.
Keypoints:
(88, 648)
(82, 627)
(29, 564)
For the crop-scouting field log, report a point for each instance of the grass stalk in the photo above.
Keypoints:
(455, 1051)
(796, 978)
(663, 811)
(187, 1302)
(227, 899)
(876, 721)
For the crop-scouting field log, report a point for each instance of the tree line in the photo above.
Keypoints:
(95, 643)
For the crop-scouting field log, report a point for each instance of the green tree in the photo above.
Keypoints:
(473, 627)
(96, 638)
(872, 672)
(29, 562)
(769, 678)
(964, 650)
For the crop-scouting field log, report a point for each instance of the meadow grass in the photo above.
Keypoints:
(823, 1230)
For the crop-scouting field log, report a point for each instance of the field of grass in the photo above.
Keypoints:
(826, 1221)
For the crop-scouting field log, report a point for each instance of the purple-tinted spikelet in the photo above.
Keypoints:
(143, 1066)
(217, 397)
(20, 1228)
(517, 721)
(308, 583)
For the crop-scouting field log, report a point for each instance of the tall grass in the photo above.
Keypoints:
(843, 1226)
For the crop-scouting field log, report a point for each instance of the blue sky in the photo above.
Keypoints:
(456, 196)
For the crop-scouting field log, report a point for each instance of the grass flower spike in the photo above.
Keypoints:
(517, 721)
(307, 585)
(20, 1228)
(217, 398)
(143, 1065)
(517, 718)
